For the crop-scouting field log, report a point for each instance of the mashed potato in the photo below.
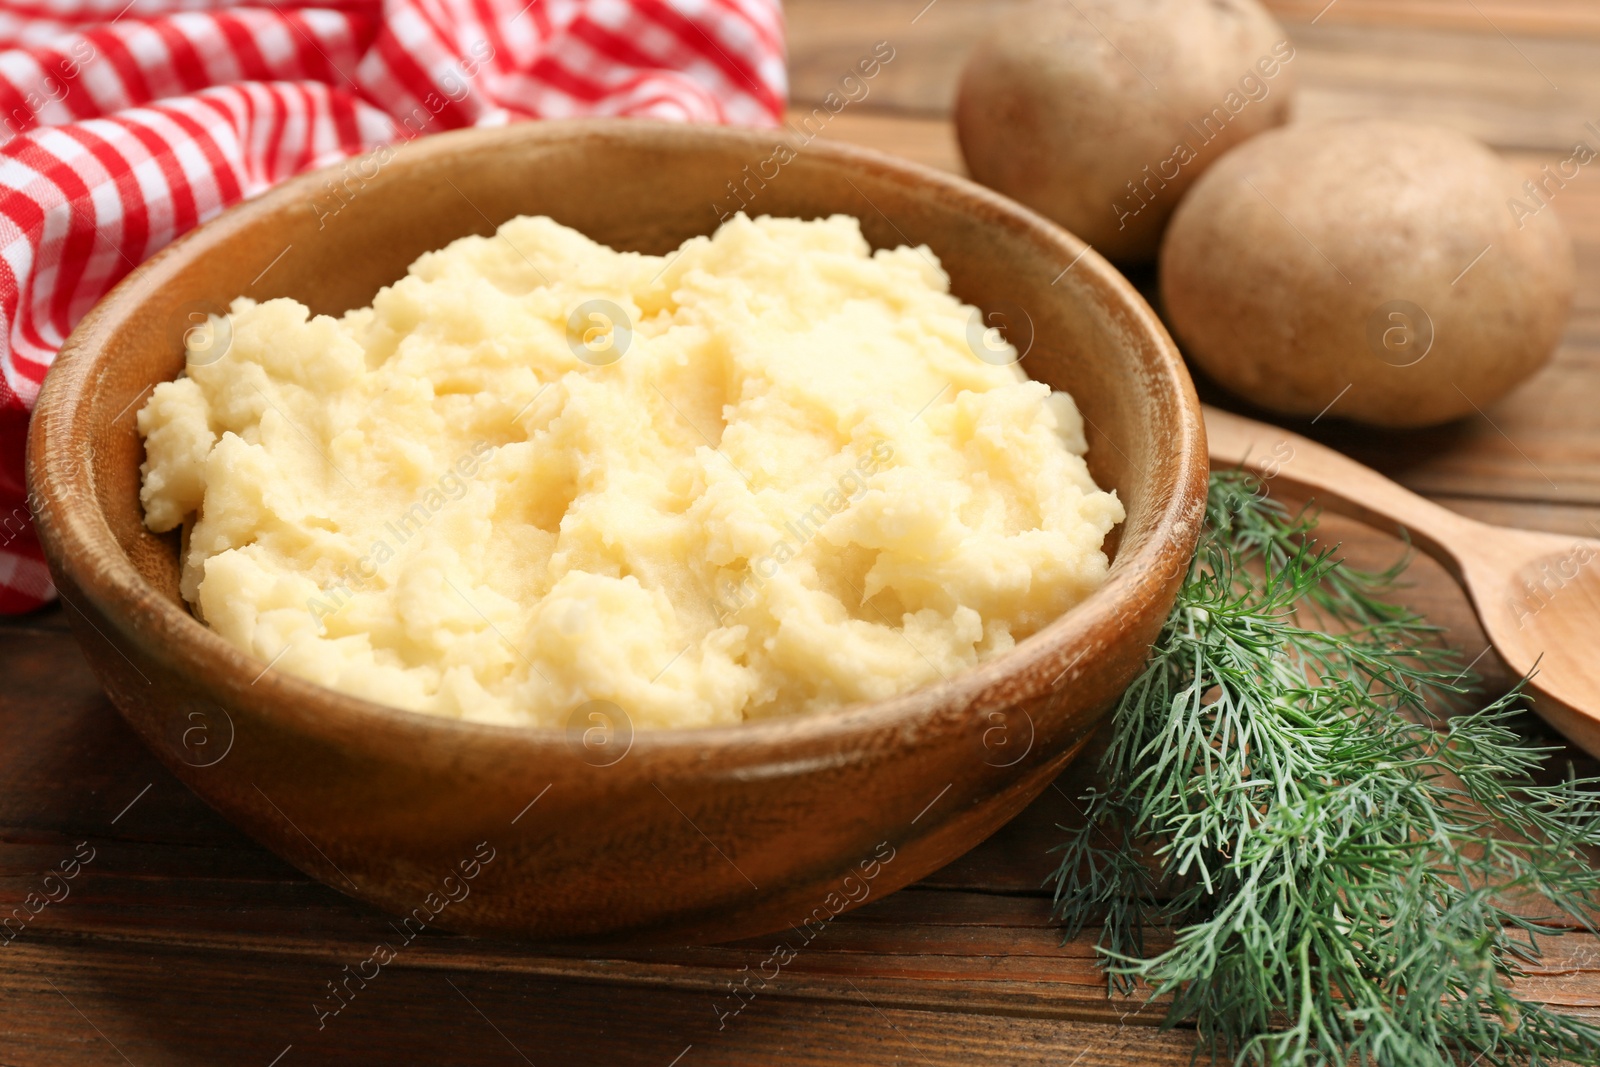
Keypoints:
(764, 475)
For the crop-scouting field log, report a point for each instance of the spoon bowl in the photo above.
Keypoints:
(1544, 620)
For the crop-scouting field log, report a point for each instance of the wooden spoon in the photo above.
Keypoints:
(1536, 594)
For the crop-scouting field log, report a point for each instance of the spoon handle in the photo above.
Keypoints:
(1337, 483)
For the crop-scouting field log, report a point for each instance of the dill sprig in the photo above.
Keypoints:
(1347, 874)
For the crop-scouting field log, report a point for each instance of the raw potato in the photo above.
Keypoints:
(1347, 254)
(1100, 113)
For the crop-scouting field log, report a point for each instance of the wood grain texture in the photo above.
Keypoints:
(104, 1003)
(1532, 18)
(1526, 81)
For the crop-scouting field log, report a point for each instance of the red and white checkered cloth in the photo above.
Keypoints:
(121, 127)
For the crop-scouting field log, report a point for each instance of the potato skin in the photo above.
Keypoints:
(1064, 105)
(1284, 267)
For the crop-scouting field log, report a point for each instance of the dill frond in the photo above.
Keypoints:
(1346, 874)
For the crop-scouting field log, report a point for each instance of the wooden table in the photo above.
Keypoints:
(184, 943)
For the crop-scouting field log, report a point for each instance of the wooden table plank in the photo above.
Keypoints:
(103, 1003)
(1530, 18)
(1525, 77)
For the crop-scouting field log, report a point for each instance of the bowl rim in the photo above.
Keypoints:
(61, 482)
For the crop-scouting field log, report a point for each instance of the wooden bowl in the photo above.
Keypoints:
(697, 834)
